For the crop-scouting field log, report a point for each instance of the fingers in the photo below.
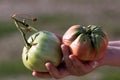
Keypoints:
(41, 74)
(66, 53)
(74, 65)
(76, 62)
(94, 64)
(55, 72)
(79, 68)
(59, 37)
(52, 70)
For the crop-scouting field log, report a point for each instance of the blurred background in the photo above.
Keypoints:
(55, 16)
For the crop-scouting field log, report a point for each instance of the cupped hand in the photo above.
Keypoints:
(74, 65)
(53, 72)
(70, 66)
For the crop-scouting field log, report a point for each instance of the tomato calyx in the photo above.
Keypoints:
(92, 33)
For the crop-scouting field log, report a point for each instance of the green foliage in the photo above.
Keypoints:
(9, 68)
(57, 22)
(6, 28)
(111, 76)
(109, 73)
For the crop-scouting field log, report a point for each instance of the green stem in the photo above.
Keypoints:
(27, 45)
(89, 32)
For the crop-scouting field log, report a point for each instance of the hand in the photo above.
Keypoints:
(53, 72)
(70, 66)
(75, 66)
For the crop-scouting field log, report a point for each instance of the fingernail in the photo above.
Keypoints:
(63, 45)
(71, 57)
(33, 73)
(95, 64)
(47, 64)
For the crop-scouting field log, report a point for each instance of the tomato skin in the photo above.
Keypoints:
(86, 46)
(69, 35)
(46, 47)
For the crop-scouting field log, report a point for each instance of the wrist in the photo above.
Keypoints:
(106, 59)
(112, 57)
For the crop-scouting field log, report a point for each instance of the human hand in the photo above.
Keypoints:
(53, 72)
(70, 66)
(75, 66)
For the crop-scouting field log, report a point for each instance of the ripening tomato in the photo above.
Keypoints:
(41, 47)
(87, 43)
(45, 47)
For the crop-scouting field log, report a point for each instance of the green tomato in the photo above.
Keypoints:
(45, 48)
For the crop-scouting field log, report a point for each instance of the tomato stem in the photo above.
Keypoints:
(88, 30)
(89, 33)
(21, 29)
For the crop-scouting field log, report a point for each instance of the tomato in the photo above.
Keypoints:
(41, 47)
(87, 43)
(45, 47)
